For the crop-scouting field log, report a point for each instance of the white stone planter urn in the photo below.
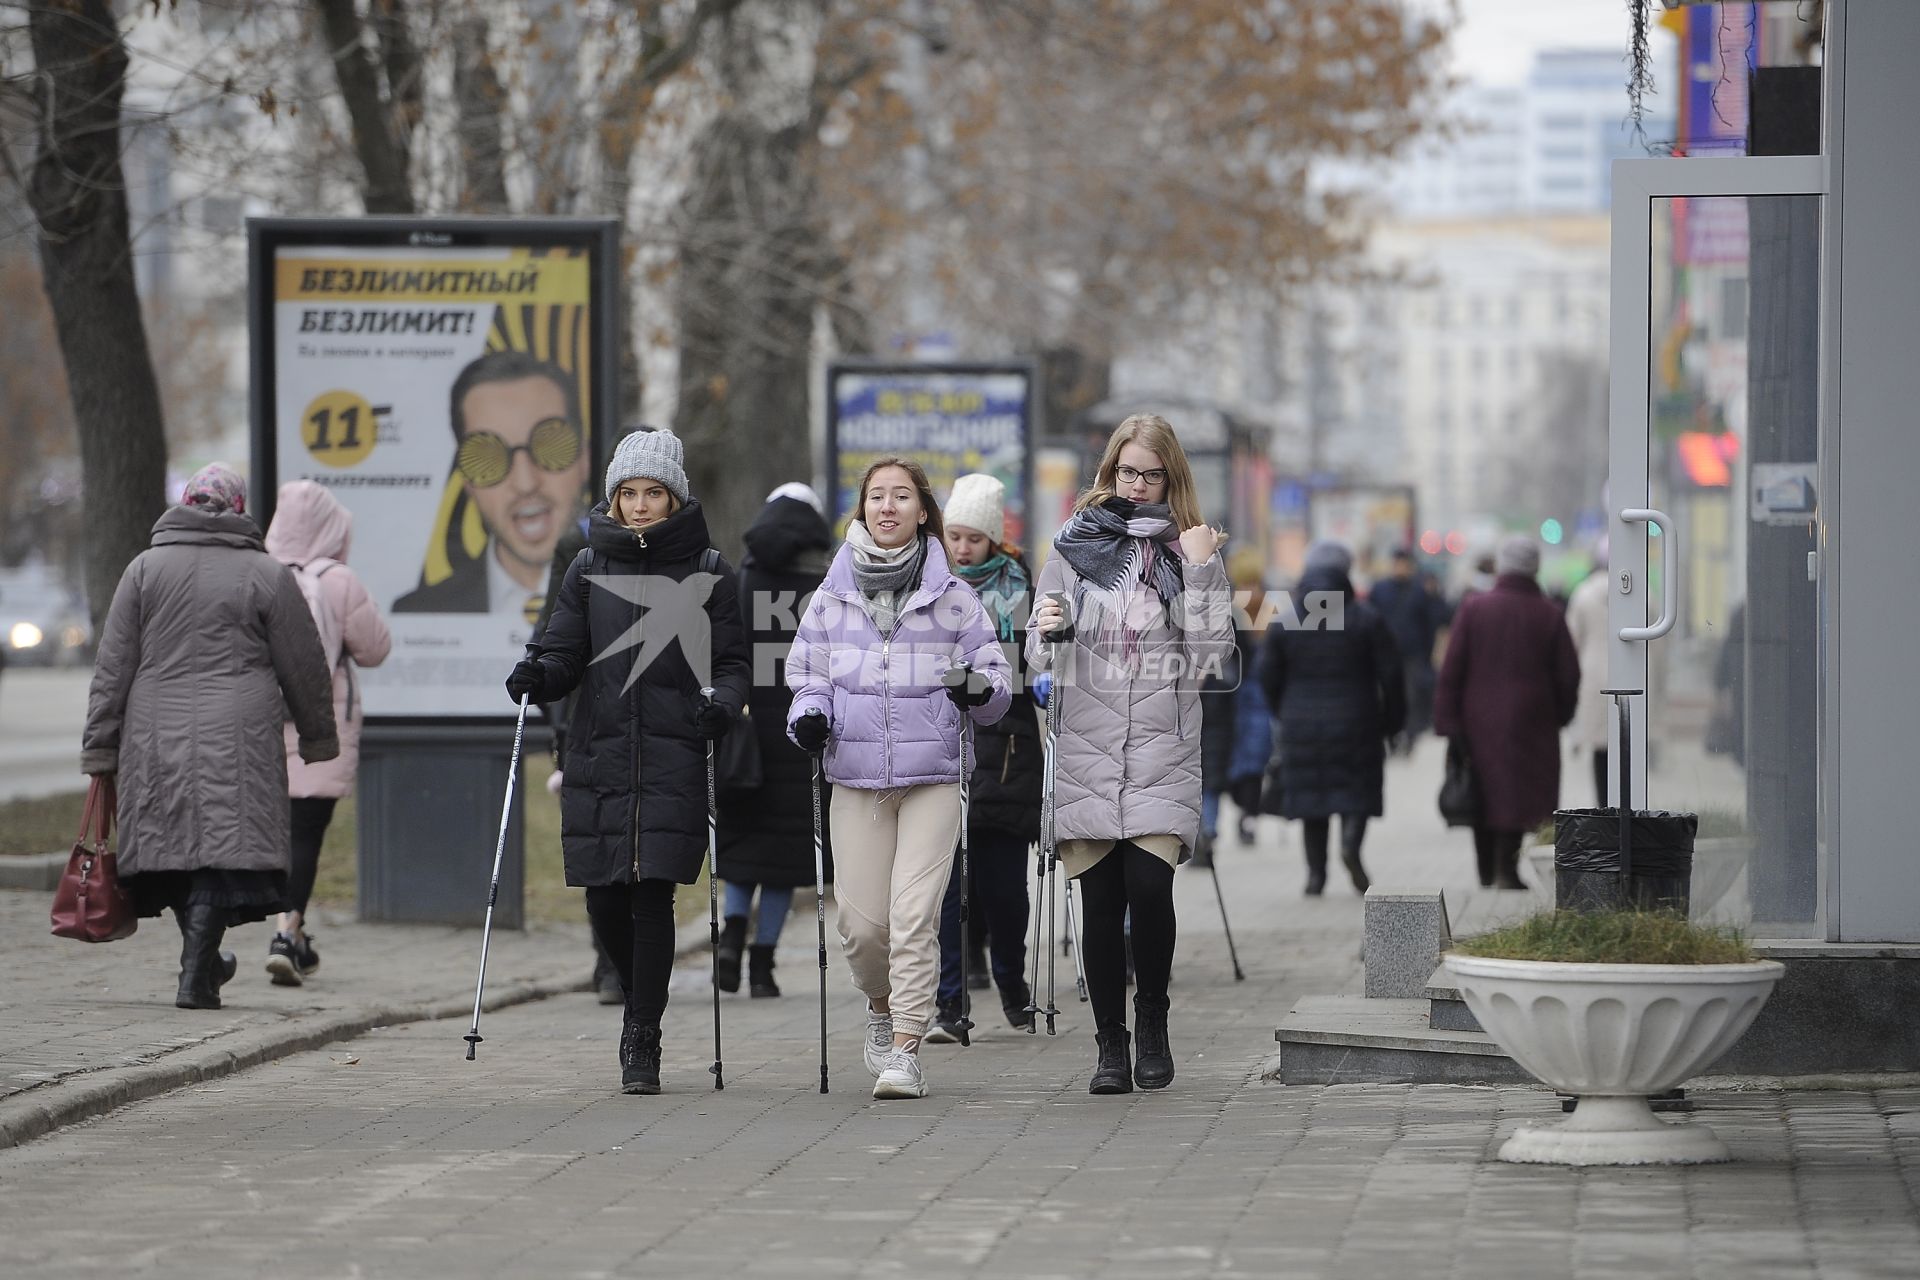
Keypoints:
(1611, 1034)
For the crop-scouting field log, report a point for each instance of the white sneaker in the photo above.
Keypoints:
(879, 1041)
(902, 1077)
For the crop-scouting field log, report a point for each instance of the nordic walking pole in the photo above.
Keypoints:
(1050, 855)
(1073, 935)
(1053, 930)
(1032, 1009)
(713, 898)
(473, 1036)
(820, 909)
(1239, 975)
(960, 676)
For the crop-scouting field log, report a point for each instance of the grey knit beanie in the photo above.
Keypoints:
(649, 455)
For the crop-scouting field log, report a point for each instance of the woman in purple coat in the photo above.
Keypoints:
(1510, 681)
(866, 670)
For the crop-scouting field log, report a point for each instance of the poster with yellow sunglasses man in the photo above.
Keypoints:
(443, 378)
(522, 461)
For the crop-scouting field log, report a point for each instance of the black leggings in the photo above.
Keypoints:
(311, 814)
(634, 926)
(1314, 832)
(1128, 878)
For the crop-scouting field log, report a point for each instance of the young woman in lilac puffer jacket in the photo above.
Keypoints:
(866, 672)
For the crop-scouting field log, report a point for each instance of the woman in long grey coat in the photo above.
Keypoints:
(1151, 618)
(208, 649)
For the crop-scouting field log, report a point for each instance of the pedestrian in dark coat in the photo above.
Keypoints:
(766, 833)
(1416, 615)
(1510, 681)
(207, 650)
(1219, 731)
(1003, 805)
(633, 807)
(1252, 739)
(1339, 694)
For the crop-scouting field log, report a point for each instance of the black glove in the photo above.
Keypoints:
(713, 720)
(1065, 634)
(527, 680)
(966, 687)
(811, 731)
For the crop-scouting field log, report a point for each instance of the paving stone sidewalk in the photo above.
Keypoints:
(85, 1027)
(390, 1155)
(394, 1157)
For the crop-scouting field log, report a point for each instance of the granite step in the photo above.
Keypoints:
(1446, 1011)
(1361, 1040)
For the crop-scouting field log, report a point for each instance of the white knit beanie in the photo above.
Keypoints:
(979, 501)
(649, 455)
(799, 493)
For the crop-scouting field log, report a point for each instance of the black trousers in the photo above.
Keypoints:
(1497, 852)
(633, 924)
(311, 814)
(1128, 879)
(1314, 833)
(998, 908)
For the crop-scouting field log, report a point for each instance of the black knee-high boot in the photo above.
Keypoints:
(204, 967)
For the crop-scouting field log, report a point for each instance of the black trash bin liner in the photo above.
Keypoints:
(1586, 860)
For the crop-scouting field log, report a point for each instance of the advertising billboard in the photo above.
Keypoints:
(450, 381)
(951, 418)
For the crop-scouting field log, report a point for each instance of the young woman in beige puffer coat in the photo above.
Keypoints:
(1151, 610)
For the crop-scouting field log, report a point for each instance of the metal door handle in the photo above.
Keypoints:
(1669, 578)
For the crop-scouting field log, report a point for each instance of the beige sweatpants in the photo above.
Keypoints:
(892, 854)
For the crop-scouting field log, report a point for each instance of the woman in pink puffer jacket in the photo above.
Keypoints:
(310, 534)
(866, 670)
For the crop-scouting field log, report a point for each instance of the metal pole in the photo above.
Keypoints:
(473, 1036)
(820, 912)
(713, 899)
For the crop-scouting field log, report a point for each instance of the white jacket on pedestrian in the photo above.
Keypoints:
(1587, 620)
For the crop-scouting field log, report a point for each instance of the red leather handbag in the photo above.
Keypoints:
(90, 904)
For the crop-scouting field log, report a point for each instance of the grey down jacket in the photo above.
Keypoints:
(1129, 762)
(207, 651)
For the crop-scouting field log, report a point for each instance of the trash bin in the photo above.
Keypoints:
(1586, 860)
(1625, 858)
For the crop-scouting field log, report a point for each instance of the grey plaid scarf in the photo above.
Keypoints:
(1111, 547)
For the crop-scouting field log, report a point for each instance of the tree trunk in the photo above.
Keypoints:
(380, 140)
(754, 266)
(750, 277)
(479, 96)
(78, 194)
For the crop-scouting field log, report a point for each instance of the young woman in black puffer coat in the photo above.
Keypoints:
(1004, 800)
(766, 833)
(1338, 694)
(633, 806)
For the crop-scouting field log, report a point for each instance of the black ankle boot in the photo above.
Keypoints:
(1153, 1061)
(1013, 1003)
(760, 971)
(726, 957)
(1316, 875)
(204, 967)
(1351, 860)
(1114, 1074)
(639, 1057)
